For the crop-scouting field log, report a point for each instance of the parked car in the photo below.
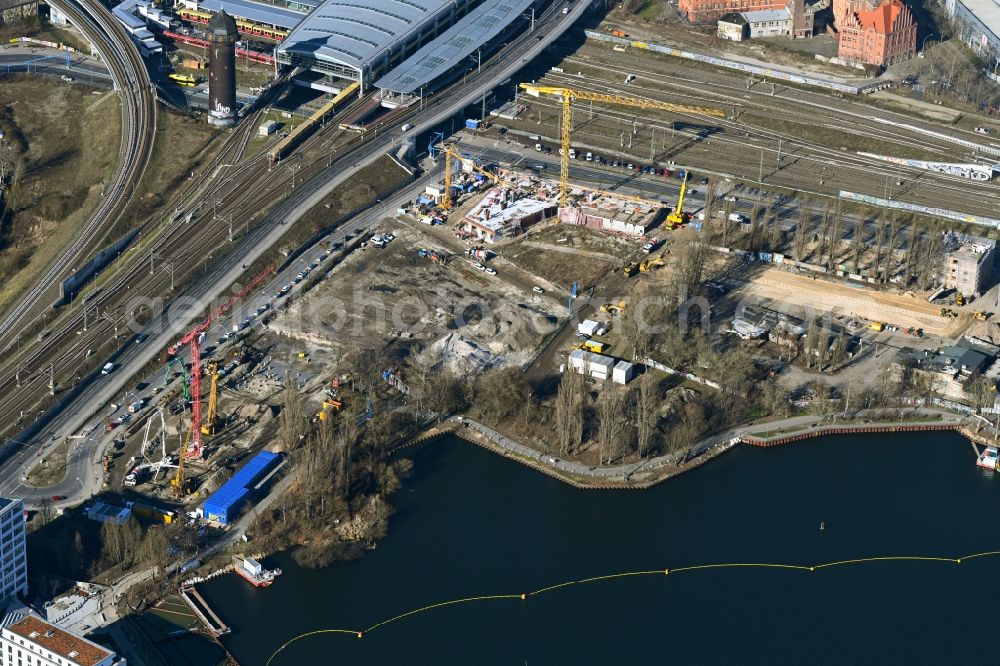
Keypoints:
(538, 290)
(478, 266)
(489, 270)
(983, 130)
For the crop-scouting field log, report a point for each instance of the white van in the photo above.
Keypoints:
(590, 157)
(407, 127)
(538, 147)
(737, 217)
(108, 367)
(572, 153)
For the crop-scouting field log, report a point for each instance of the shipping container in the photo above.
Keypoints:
(225, 504)
(471, 123)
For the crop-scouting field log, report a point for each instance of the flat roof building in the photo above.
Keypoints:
(732, 26)
(277, 17)
(32, 640)
(453, 47)
(978, 25)
(968, 263)
(594, 365)
(769, 22)
(363, 40)
(13, 562)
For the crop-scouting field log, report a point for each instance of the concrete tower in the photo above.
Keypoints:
(222, 36)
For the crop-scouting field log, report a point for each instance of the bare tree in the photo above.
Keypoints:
(570, 412)
(858, 242)
(835, 236)
(801, 240)
(291, 425)
(646, 402)
(689, 261)
(611, 423)
(888, 266)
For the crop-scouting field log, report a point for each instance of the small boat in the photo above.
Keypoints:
(988, 458)
(253, 572)
(822, 526)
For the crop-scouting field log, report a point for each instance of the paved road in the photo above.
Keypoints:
(76, 412)
(83, 415)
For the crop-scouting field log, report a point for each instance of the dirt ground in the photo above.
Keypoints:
(814, 294)
(564, 254)
(454, 314)
(51, 469)
(66, 140)
(182, 145)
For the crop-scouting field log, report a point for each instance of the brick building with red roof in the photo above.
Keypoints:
(875, 34)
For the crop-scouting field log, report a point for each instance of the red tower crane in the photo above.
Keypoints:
(193, 338)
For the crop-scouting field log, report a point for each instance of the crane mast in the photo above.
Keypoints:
(193, 338)
(567, 96)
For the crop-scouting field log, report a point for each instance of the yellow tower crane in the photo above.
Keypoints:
(450, 153)
(569, 94)
(208, 425)
(178, 481)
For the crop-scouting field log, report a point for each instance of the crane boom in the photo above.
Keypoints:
(208, 428)
(676, 218)
(569, 94)
(449, 153)
(193, 338)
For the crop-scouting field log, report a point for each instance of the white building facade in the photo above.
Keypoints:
(31, 641)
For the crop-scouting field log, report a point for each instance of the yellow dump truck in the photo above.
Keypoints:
(876, 326)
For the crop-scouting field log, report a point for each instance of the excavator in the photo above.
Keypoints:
(650, 264)
(677, 217)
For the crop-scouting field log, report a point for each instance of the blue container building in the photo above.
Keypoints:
(224, 505)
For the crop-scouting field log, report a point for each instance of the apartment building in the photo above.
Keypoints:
(968, 263)
(31, 641)
(13, 559)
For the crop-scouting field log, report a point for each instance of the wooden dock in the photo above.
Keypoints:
(215, 626)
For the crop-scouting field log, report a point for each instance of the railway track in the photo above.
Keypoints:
(138, 132)
(239, 191)
(246, 188)
(806, 162)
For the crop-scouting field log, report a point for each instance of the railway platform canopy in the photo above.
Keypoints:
(271, 15)
(360, 40)
(450, 53)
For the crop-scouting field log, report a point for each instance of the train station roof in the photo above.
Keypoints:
(257, 12)
(354, 33)
(453, 46)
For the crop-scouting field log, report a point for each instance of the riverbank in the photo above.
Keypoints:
(471, 525)
(655, 470)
